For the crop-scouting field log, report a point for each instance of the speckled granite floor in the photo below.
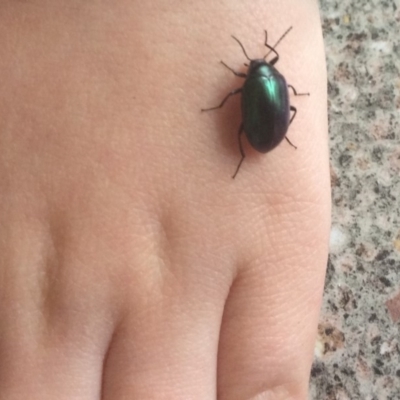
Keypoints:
(357, 354)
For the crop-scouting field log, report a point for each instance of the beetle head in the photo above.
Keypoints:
(255, 64)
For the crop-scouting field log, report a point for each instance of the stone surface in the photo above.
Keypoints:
(357, 354)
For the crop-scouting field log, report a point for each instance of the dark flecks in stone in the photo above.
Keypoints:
(377, 371)
(379, 363)
(385, 281)
(333, 90)
(317, 369)
(333, 307)
(330, 272)
(345, 299)
(357, 36)
(376, 340)
(360, 267)
(347, 371)
(382, 255)
(345, 160)
(377, 154)
(372, 318)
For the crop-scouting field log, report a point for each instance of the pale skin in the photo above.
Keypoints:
(131, 265)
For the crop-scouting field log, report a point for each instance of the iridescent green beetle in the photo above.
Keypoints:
(265, 103)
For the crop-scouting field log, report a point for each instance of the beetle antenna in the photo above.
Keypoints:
(280, 40)
(244, 51)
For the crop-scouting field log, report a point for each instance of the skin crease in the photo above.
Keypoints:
(132, 266)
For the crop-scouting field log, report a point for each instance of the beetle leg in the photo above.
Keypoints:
(290, 143)
(294, 109)
(291, 119)
(279, 40)
(239, 74)
(298, 94)
(244, 51)
(241, 150)
(276, 58)
(236, 91)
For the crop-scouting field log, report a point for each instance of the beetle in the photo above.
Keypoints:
(265, 102)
